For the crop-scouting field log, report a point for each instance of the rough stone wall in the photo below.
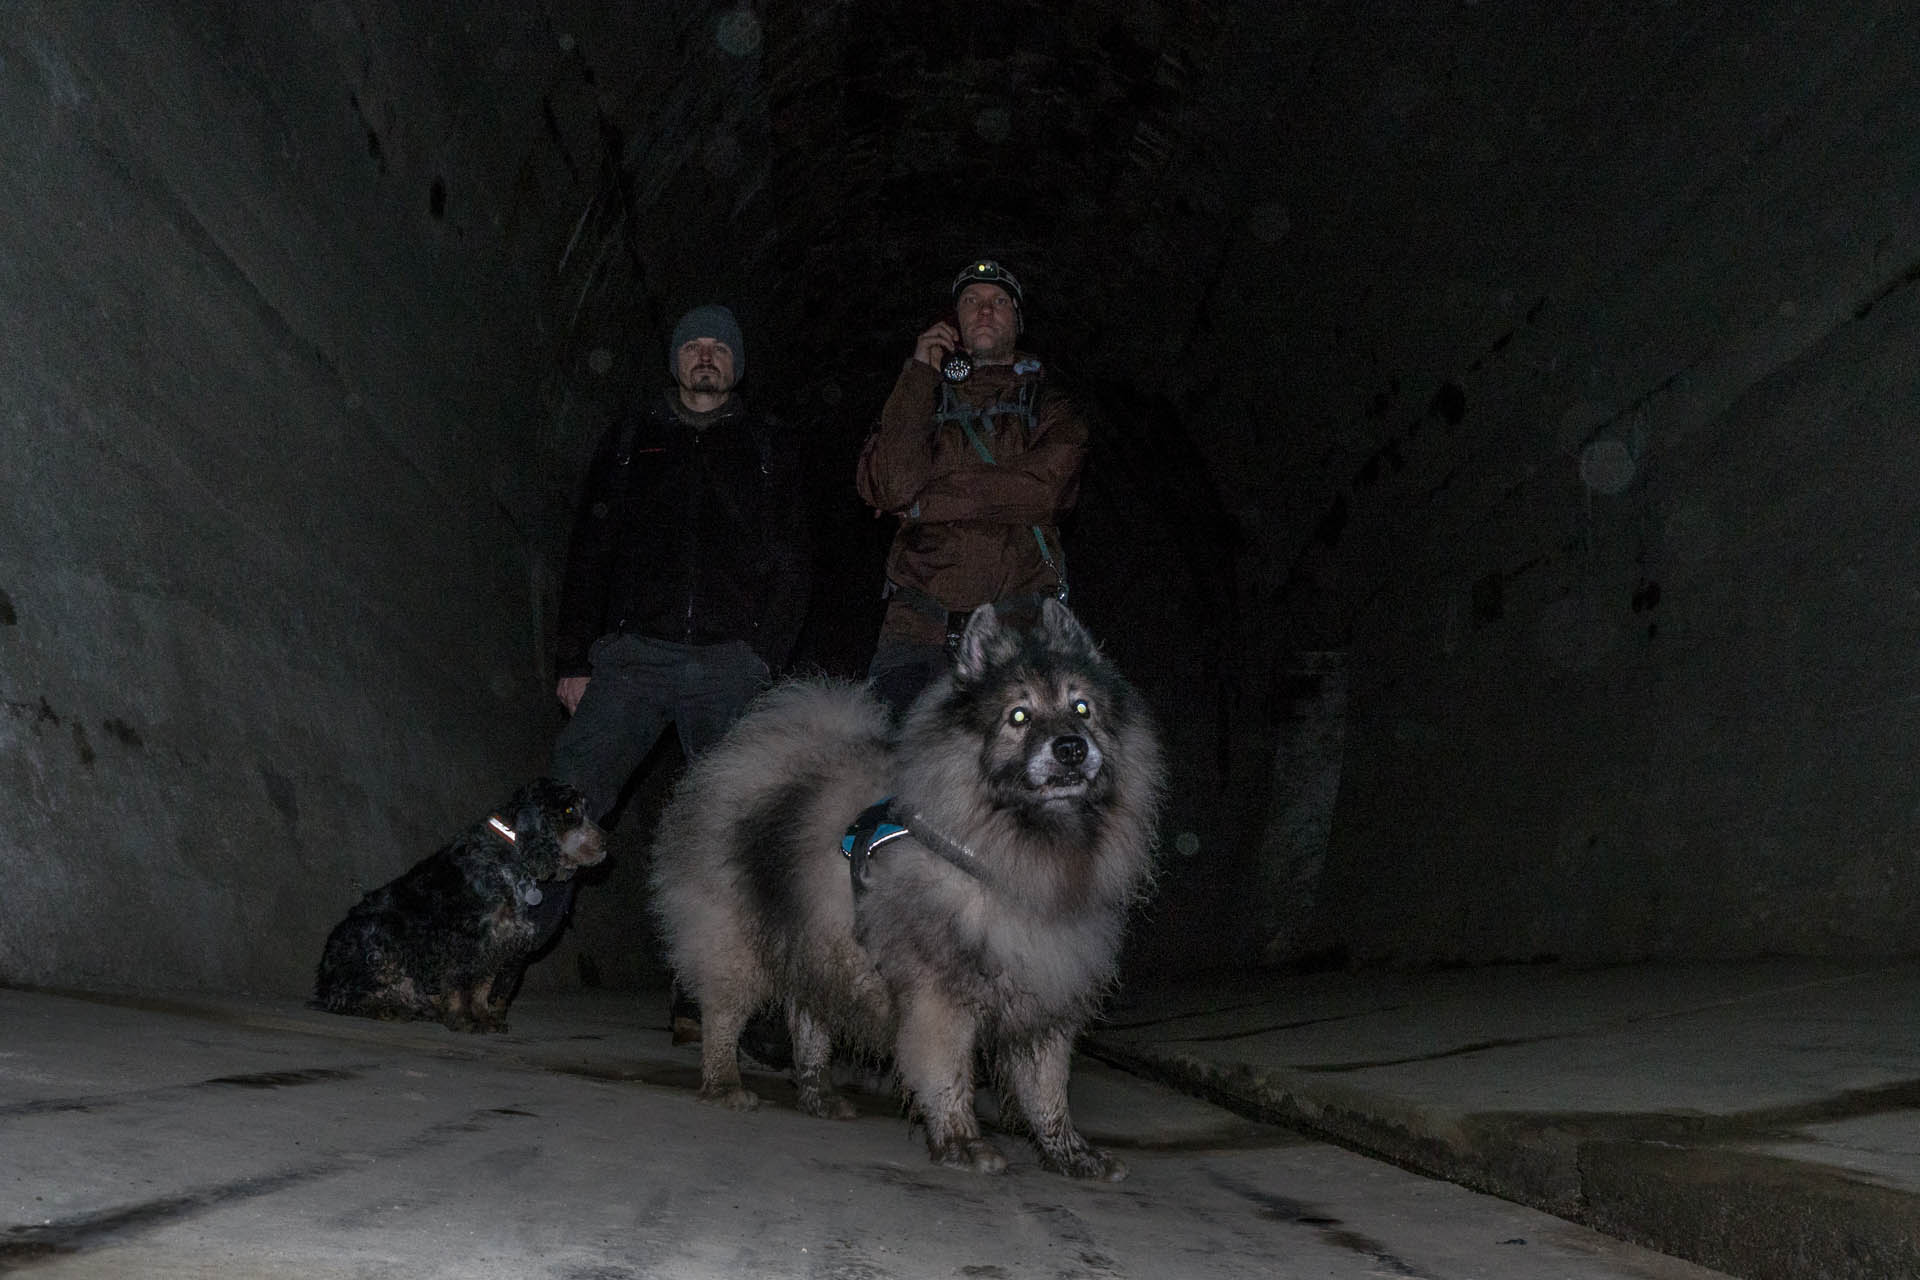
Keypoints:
(267, 618)
(1684, 731)
(1631, 609)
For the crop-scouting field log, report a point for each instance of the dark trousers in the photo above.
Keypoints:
(917, 642)
(639, 686)
(902, 668)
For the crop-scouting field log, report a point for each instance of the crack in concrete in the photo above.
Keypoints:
(1332, 1230)
(25, 1246)
(255, 1080)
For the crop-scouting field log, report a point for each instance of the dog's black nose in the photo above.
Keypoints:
(1070, 749)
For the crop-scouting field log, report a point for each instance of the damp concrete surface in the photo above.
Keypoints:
(237, 1137)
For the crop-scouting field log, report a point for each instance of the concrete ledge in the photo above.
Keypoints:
(1758, 1216)
(1660, 1180)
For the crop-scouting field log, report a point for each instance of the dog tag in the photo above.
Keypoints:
(533, 895)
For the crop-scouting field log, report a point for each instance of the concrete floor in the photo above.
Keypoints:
(1761, 1117)
(246, 1138)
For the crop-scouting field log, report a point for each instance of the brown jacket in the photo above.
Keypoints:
(966, 525)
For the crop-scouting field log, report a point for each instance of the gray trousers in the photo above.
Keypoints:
(639, 686)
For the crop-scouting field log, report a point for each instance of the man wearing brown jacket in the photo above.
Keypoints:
(978, 458)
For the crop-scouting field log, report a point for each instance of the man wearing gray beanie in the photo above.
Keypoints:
(711, 321)
(688, 574)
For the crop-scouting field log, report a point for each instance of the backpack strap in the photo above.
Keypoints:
(762, 434)
(616, 491)
(954, 409)
(760, 430)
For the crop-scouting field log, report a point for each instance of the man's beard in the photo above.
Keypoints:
(999, 350)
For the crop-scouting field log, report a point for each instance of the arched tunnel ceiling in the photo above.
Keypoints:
(836, 163)
(833, 178)
(1275, 241)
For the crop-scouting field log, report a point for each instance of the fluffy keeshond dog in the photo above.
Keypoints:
(978, 911)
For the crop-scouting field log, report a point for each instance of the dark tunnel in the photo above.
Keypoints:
(1500, 424)
(1501, 419)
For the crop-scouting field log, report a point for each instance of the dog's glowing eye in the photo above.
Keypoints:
(1018, 717)
(1081, 709)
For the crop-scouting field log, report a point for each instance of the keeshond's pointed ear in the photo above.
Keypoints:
(981, 645)
(1065, 631)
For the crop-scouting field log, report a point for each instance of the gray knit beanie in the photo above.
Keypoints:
(711, 321)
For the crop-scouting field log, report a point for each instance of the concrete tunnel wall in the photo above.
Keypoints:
(287, 463)
(268, 625)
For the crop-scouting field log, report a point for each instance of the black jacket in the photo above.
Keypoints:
(693, 536)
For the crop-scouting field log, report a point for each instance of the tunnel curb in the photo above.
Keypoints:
(1750, 1214)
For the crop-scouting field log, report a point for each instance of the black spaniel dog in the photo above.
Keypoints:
(449, 939)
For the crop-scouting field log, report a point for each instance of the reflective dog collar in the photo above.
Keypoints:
(528, 891)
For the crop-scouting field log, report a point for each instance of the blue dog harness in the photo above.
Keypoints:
(875, 826)
(881, 822)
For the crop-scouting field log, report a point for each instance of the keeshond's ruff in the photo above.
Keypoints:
(1027, 781)
(450, 937)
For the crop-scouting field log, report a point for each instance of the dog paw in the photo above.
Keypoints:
(826, 1105)
(975, 1155)
(1086, 1162)
(733, 1097)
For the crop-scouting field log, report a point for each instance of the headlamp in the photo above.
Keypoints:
(987, 271)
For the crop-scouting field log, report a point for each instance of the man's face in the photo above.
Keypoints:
(705, 364)
(988, 321)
